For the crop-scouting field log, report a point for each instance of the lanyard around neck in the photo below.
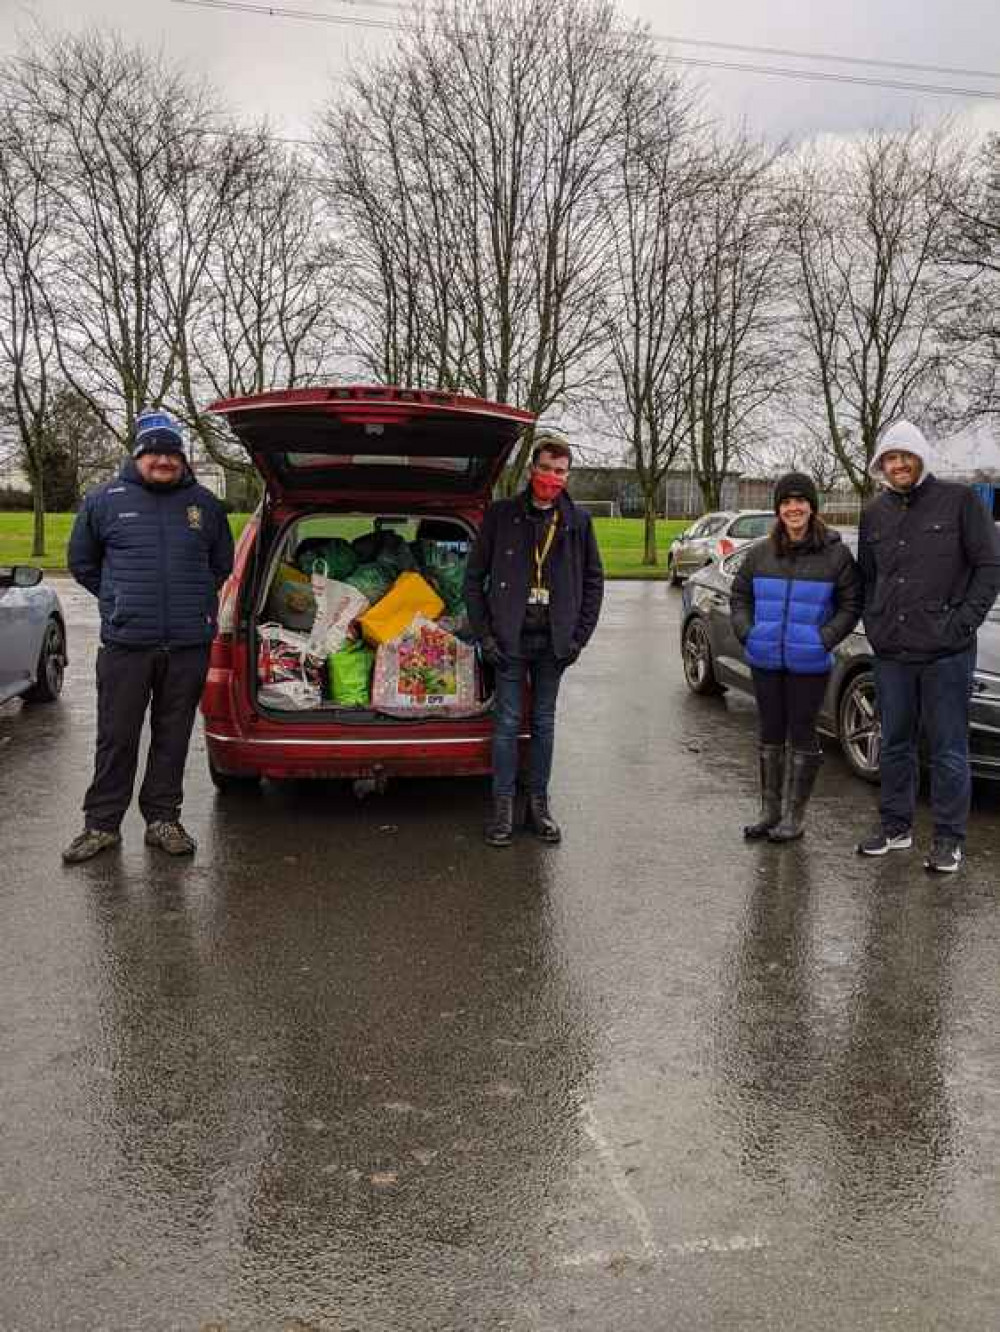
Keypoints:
(542, 551)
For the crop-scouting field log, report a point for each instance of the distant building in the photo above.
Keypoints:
(973, 456)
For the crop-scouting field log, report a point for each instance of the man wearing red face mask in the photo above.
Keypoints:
(533, 586)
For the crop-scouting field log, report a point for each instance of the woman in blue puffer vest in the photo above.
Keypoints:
(796, 595)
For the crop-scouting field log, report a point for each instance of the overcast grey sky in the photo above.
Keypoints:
(284, 67)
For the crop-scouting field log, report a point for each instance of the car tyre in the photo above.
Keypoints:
(227, 782)
(51, 669)
(858, 727)
(696, 658)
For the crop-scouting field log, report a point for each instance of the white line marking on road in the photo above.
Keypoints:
(619, 1182)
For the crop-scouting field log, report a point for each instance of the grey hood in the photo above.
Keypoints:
(901, 436)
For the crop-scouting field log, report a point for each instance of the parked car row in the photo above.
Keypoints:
(32, 636)
(712, 660)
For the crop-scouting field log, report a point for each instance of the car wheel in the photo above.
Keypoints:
(696, 656)
(672, 574)
(858, 726)
(51, 669)
(228, 781)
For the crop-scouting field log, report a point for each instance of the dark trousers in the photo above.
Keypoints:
(130, 680)
(788, 706)
(935, 697)
(536, 663)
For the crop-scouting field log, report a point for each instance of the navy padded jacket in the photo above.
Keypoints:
(155, 559)
(789, 611)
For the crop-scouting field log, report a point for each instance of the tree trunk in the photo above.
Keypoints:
(38, 530)
(649, 528)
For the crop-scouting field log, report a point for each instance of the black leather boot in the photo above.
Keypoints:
(772, 778)
(802, 779)
(540, 819)
(500, 825)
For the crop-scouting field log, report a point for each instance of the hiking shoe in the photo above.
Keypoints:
(945, 855)
(170, 837)
(540, 820)
(91, 842)
(880, 842)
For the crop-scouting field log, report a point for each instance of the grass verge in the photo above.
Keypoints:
(620, 541)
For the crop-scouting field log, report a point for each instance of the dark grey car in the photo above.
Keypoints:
(32, 636)
(713, 661)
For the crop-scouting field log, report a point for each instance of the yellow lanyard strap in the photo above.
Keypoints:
(542, 551)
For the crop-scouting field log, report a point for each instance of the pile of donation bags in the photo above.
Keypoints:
(377, 623)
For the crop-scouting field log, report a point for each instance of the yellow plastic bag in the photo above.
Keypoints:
(410, 595)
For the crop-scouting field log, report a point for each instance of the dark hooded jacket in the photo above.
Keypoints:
(501, 567)
(790, 611)
(155, 558)
(930, 560)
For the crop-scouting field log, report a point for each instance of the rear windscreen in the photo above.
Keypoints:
(312, 450)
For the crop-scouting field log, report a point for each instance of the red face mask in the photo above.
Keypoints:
(545, 486)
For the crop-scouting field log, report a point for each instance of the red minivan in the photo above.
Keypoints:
(344, 461)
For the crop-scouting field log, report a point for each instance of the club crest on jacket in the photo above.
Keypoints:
(194, 517)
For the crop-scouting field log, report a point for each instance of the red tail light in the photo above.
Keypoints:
(725, 547)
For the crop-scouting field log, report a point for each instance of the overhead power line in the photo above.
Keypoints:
(277, 11)
(779, 71)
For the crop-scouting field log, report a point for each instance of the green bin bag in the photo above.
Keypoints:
(350, 672)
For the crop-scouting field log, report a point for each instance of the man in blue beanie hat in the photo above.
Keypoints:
(154, 547)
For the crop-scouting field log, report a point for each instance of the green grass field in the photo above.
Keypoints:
(620, 540)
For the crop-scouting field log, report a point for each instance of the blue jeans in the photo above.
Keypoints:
(933, 697)
(535, 662)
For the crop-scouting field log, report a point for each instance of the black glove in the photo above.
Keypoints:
(569, 659)
(490, 649)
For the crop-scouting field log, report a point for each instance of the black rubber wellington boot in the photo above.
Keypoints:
(500, 825)
(772, 779)
(802, 779)
(540, 819)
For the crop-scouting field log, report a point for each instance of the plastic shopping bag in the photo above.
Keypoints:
(410, 596)
(350, 672)
(338, 605)
(283, 655)
(424, 673)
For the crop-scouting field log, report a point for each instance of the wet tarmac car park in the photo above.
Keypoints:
(352, 1069)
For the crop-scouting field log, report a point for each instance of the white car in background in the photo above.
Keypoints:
(32, 636)
(713, 536)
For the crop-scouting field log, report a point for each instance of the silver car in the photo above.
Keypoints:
(32, 636)
(713, 537)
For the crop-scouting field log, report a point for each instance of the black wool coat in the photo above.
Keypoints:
(501, 570)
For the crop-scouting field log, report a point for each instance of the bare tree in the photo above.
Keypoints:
(732, 360)
(971, 327)
(261, 313)
(868, 228)
(27, 228)
(466, 175)
(136, 184)
(652, 203)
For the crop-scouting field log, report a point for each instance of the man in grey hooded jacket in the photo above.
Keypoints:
(930, 561)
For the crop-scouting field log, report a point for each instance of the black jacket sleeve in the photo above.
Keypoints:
(477, 572)
(866, 563)
(981, 545)
(85, 553)
(593, 588)
(221, 554)
(849, 599)
(741, 598)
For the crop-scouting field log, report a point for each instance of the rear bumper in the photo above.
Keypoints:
(350, 756)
